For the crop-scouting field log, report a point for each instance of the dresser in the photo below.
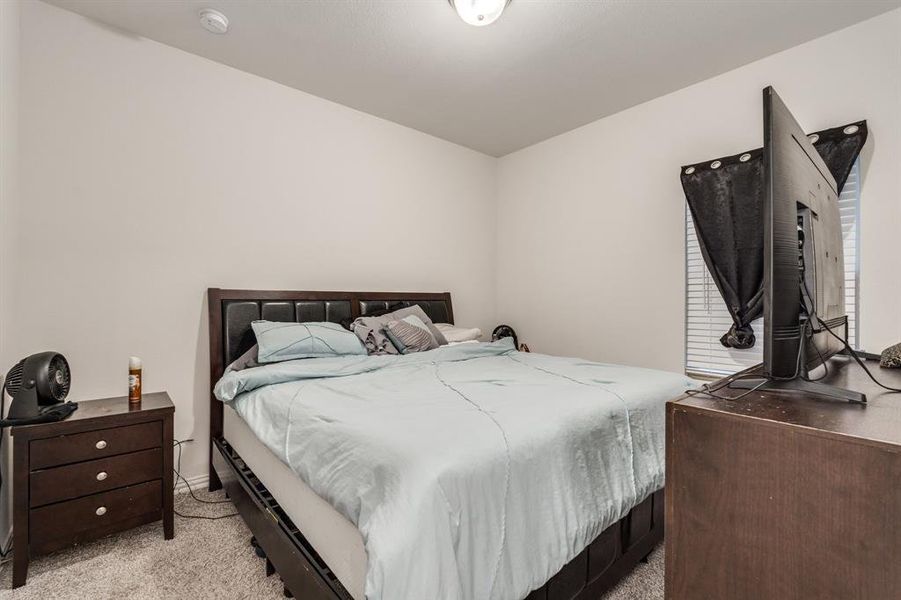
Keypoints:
(785, 497)
(106, 468)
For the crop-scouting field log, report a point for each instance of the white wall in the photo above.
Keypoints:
(149, 174)
(9, 189)
(591, 223)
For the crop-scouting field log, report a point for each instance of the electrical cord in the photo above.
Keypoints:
(822, 362)
(713, 394)
(798, 360)
(707, 390)
(178, 444)
(814, 344)
(711, 391)
(178, 475)
(851, 351)
(853, 354)
(204, 517)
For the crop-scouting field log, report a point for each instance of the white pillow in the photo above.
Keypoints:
(458, 334)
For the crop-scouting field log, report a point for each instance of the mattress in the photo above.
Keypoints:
(335, 538)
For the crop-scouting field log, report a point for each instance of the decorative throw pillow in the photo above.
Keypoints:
(371, 330)
(891, 357)
(287, 341)
(410, 334)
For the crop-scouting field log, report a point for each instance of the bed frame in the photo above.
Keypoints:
(287, 552)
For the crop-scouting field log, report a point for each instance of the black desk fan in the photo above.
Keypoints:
(38, 386)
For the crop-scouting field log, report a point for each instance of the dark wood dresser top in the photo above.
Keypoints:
(104, 407)
(113, 411)
(879, 421)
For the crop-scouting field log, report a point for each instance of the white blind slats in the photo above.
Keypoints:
(706, 317)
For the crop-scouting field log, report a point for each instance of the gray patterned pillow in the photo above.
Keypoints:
(410, 334)
(372, 331)
(891, 357)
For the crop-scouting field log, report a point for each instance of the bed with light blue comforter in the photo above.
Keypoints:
(471, 471)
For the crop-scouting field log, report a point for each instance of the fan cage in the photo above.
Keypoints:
(59, 389)
(14, 378)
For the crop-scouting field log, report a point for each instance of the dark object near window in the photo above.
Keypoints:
(891, 357)
(504, 331)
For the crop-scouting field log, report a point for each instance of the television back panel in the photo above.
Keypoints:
(795, 179)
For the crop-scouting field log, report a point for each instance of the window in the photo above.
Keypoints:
(706, 317)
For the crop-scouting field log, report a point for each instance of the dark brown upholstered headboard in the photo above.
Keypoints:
(232, 311)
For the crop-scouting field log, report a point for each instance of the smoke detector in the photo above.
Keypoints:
(213, 21)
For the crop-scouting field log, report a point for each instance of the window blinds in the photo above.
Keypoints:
(706, 317)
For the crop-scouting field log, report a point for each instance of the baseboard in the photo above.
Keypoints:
(198, 483)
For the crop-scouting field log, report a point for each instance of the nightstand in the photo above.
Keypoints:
(106, 468)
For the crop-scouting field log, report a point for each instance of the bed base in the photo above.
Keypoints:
(607, 559)
(610, 557)
(287, 551)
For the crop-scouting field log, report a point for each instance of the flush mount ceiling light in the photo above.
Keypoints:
(213, 21)
(479, 12)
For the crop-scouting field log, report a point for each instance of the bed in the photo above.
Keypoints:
(313, 544)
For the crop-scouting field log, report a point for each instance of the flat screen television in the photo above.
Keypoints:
(804, 295)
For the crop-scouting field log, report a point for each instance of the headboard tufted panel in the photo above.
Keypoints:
(437, 310)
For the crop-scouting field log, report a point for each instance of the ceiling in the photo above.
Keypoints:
(544, 68)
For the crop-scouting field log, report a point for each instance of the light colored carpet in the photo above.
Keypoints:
(644, 583)
(207, 559)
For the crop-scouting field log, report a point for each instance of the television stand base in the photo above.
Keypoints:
(812, 388)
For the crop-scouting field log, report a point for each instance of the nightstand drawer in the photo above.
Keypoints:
(81, 479)
(64, 449)
(75, 521)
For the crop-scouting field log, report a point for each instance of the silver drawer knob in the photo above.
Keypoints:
(102, 475)
(100, 511)
(100, 445)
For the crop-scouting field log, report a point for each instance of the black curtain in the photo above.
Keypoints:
(725, 197)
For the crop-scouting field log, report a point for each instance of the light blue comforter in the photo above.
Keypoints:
(471, 471)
